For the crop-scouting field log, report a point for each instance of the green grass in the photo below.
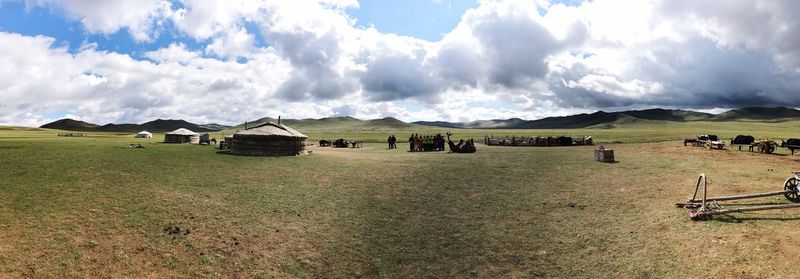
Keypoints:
(637, 132)
(89, 207)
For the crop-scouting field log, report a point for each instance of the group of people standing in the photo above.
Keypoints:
(392, 142)
(437, 142)
(419, 142)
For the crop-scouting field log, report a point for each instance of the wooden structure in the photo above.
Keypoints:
(72, 135)
(707, 141)
(703, 207)
(604, 155)
(269, 139)
(764, 146)
(226, 142)
(710, 141)
(538, 141)
(182, 135)
(205, 139)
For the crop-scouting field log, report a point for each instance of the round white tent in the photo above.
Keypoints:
(182, 135)
(144, 134)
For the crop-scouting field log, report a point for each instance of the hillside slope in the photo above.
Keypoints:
(156, 126)
(604, 120)
(70, 125)
(333, 123)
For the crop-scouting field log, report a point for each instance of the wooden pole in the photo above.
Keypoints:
(747, 196)
(745, 209)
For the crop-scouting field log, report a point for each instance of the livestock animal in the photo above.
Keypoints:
(552, 141)
(792, 144)
(340, 143)
(743, 140)
(564, 140)
(324, 143)
(462, 146)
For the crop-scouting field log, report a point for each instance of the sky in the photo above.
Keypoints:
(207, 61)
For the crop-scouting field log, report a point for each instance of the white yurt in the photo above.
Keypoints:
(144, 135)
(182, 135)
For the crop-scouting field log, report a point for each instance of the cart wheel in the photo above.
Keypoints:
(791, 185)
(770, 149)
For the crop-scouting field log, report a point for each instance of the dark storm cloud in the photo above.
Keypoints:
(225, 84)
(516, 47)
(459, 64)
(696, 73)
(398, 77)
(313, 57)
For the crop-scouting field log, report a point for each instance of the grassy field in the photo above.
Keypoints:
(638, 132)
(89, 207)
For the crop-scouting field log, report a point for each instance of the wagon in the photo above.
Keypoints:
(702, 207)
(710, 141)
(764, 146)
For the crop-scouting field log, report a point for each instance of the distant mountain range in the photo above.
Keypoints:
(333, 122)
(159, 125)
(603, 119)
(598, 119)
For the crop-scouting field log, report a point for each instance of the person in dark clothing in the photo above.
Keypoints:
(411, 141)
(393, 142)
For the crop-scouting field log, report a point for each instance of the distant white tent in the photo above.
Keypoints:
(144, 134)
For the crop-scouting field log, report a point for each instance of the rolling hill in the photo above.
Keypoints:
(603, 119)
(70, 125)
(760, 113)
(159, 125)
(599, 119)
(338, 122)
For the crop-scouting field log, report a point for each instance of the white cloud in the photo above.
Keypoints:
(175, 52)
(610, 85)
(511, 58)
(107, 17)
(232, 44)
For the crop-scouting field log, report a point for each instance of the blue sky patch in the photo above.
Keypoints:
(424, 19)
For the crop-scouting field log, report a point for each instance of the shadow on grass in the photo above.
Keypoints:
(420, 225)
(756, 204)
(729, 218)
